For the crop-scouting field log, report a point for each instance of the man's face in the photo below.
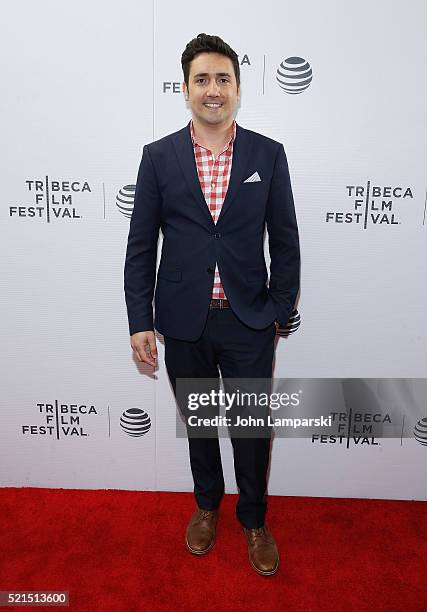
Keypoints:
(212, 93)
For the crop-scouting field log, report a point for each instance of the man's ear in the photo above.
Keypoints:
(185, 90)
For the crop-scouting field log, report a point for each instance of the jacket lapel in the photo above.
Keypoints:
(185, 153)
(241, 155)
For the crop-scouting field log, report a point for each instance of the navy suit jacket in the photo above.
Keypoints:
(169, 198)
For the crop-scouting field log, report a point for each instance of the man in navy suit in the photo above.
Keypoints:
(213, 188)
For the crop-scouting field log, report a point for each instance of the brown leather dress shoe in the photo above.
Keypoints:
(262, 550)
(200, 534)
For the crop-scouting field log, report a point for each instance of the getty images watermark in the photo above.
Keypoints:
(239, 407)
(236, 401)
(324, 410)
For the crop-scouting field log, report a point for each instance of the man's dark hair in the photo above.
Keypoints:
(204, 43)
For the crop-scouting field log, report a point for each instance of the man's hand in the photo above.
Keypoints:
(144, 345)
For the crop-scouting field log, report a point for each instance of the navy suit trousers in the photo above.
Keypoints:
(229, 348)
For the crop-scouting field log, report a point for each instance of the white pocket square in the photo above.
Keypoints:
(254, 178)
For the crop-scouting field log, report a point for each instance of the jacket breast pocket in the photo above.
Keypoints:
(253, 185)
(256, 274)
(170, 274)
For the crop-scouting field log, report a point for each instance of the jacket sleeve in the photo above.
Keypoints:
(141, 253)
(283, 240)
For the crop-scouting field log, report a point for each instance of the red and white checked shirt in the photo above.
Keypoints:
(214, 176)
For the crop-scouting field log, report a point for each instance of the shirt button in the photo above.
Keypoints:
(213, 184)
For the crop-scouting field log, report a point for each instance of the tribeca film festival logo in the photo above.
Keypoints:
(51, 200)
(293, 75)
(60, 420)
(357, 428)
(371, 205)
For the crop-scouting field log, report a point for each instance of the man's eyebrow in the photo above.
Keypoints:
(199, 74)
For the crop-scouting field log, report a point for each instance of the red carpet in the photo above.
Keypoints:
(124, 551)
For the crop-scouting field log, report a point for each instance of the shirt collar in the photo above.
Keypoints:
(232, 139)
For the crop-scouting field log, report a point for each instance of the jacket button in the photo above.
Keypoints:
(217, 236)
(210, 270)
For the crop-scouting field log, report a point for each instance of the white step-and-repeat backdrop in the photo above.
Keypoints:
(84, 86)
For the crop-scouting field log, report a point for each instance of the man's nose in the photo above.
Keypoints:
(213, 89)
